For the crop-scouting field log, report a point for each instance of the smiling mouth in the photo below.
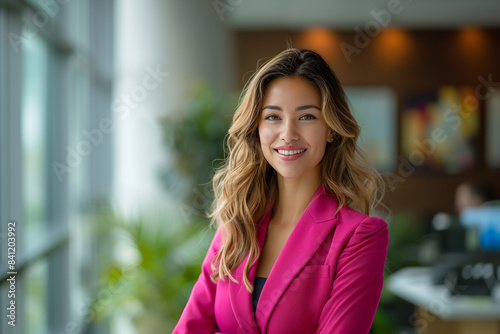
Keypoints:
(290, 152)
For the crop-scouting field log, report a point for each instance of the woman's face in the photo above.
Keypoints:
(292, 133)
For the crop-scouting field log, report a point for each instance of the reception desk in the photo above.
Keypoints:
(439, 312)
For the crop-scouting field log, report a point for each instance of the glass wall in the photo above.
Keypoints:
(55, 87)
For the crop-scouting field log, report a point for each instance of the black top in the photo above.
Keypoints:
(258, 284)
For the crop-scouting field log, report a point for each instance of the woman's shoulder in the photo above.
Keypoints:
(355, 220)
(347, 218)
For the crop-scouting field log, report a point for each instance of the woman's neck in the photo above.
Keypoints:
(294, 197)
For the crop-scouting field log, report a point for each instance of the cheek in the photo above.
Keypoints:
(319, 137)
(267, 137)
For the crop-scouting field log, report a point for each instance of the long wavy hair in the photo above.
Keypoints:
(246, 185)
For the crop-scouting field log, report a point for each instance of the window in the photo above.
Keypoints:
(55, 86)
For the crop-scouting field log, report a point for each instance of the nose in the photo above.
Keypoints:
(289, 131)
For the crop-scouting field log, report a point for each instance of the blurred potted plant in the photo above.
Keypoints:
(194, 138)
(155, 261)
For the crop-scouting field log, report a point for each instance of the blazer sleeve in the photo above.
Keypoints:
(357, 286)
(198, 316)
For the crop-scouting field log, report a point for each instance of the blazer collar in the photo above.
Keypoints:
(312, 228)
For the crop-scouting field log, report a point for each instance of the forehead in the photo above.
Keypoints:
(291, 90)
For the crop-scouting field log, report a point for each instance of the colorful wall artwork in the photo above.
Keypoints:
(440, 131)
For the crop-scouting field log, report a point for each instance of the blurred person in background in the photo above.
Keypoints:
(472, 194)
(478, 208)
(295, 250)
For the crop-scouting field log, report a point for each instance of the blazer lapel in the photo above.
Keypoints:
(241, 299)
(312, 228)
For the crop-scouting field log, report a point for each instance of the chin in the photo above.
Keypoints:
(290, 174)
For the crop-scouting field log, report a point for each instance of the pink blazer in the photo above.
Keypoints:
(327, 279)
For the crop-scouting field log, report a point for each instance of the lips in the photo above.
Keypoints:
(290, 152)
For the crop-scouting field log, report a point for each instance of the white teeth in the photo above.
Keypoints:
(285, 152)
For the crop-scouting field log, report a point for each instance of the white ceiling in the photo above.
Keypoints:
(346, 14)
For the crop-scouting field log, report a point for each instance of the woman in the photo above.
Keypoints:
(291, 253)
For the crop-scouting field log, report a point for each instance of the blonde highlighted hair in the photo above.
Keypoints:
(246, 184)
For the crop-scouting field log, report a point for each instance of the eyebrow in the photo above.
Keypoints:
(307, 106)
